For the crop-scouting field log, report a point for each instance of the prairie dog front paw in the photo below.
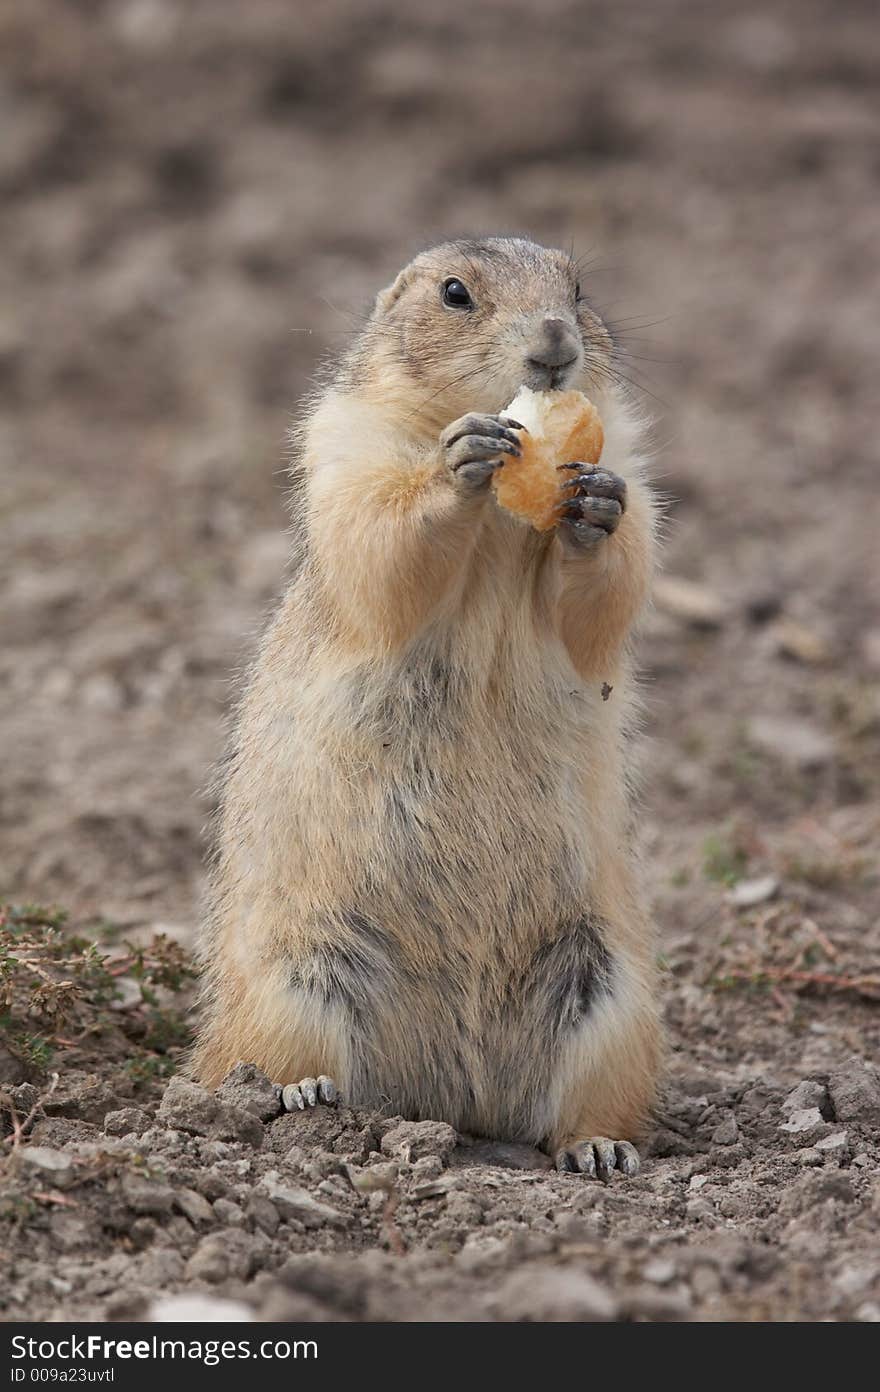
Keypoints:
(474, 447)
(594, 502)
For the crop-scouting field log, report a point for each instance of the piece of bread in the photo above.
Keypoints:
(558, 428)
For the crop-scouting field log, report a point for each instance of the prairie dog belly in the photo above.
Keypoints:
(486, 1047)
(460, 957)
(464, 787)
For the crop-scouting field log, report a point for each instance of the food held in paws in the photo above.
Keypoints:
(558, 428)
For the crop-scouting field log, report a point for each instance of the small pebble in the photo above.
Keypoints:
(803, 1119)
(748, 893)
(659, 1270)
(727, 1133)
(228, 1213)
(50, 1166)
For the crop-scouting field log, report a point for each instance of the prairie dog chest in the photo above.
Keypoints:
(491, 675)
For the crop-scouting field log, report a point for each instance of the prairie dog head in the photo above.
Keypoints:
(467, 323)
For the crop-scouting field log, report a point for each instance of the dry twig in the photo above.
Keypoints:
(20, 1127)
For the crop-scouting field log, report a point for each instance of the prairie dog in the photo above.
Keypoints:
(424, 884)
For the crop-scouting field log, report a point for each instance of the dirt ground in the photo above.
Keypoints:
(196, 202)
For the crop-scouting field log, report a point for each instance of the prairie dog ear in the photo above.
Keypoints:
(392, 293)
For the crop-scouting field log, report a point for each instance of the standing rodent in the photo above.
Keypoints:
(425, 883)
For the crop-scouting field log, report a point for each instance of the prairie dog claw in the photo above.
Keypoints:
(308, 1093)
(599, 1158)
(592, 481)
(474, 446)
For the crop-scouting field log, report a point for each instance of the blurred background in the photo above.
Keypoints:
(198, 200)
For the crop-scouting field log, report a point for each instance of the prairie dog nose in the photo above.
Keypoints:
(556, 345)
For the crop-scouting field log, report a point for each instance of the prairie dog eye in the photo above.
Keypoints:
(456, 295)
(577, 292)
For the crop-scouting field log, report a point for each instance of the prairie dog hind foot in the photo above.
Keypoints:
(308, 1092)
(599, 1158)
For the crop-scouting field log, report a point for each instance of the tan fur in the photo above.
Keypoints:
(426, 781)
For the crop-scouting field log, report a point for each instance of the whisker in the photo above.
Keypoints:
(630, 322)
(645, 357)
(613, 374)
(455, 382)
